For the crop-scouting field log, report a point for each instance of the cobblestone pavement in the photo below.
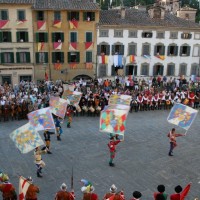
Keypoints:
(142, 160)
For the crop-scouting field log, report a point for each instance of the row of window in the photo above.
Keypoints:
(159, 49)
(40, 15)
(145, 70)
(134, 34)
(22, 36)
(42, 57)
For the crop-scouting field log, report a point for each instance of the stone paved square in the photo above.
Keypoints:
(142, 160)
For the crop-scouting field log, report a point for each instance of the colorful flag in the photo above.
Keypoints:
(160, 57)
(182, 116)
(41, 25)
(73, 24)
(120, 99)
(132, 58)
(23, 187)
(185, 191)
(40, 46)
(117, 59)
(26, 138)
(57, 45)
(74, 97)
(3, 23)
(88, 65)
(147, 56)
(103, 59)
(88, 45)
(57, 66)
(72, 65)
(41, 119)
(57, 23)
(18, 22)
(58, 106)
(113, 121)
(73, 46)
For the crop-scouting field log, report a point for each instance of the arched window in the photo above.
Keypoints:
(144, 69)
(103, 48)
(171, 69)
(159, 49)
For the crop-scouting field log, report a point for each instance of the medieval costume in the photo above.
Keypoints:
(33, 190)
(63, 194)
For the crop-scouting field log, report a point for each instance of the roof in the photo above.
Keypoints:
(187, 8)
(65, 5)
(135, 17)
(17, 1)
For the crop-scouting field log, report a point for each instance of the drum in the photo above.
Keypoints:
(186, 101)
(85, 108)
(168, 102)
(78, 108)
(91, 109)
(98, 108)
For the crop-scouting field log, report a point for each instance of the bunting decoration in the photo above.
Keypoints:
(120, 99)
(18, 22)
(57, 23)
(73, 46)
(74, 97)
(132, 58)
(41, 25)
(160, 57)
(73, 24)
(3, 23)
(103, 59)
(57, 66)
(117, 59)
(40, 46)
(58, 106)
(26, 138)
(182, 116)
(88, 45)
(72, 65)
(57, 45)
(88, 65)
(23, 187)
(41, 119)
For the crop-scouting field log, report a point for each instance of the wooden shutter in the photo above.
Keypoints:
(62, 37)
(69, 57)
(113, 49)
(88, 37)
(107, 49)
(18, 36)
(84, 16)
(102, 70)
(45, 37)
(78, 57)
(188, 50)
(176, 51)
(37, 37)
(121, 50)
(2, 57)
(37, 57)
(89, 56)
(163, 50)
(68, 16)
(168, 50)
(46, 57)
(53, 37)
(4, 15)
(98, 50)
(26, 36)
(18, 57)
(53, 57)
(112, 70)
(132, 49)
(77, 16)
(181, 49)
(93, 16)
(155, 50)
(62, 57)
(9, 37)
(146, 48)
(12, 57)
(28, 58)
(143, 35)
(1, 37)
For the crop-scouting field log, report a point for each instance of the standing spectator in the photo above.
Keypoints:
(136, 195)
(176, 196)
(161, 191)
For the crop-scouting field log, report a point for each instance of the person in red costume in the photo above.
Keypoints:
(136, 195)
(114, 194)
(114, 141)
(176, 196)
(89, 195)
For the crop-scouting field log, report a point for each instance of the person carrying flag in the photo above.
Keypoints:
(114, 141)
(33, 190)
(172, 138)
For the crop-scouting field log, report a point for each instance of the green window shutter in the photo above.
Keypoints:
(2, 57)
(53, 57)
(107, 49)
(77, 16)
(98, 50)
(84, 16)
(87, 57)
(68, 57)
(1, 37)
(37, 37)
(12, 57)
(4, 15)
(62, 57)
(181, 49)
(18, 57)
(46, 57)
(176, 51)
(45, 37)
(62, 37)
(53, 37)
(93, 16)
(26, 36)
(88, 37)
(28, 57)
(9, 37)
(188, 50)
(18, 36)
(68, 16)
(113, 49)
(78, 57)
(37, 57)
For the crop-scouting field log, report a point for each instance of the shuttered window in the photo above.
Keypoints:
(40, 15)
(170, 70)
(145, 69)
(73, 36)
(146, 49)
(21, 15)
(88, 57)
(23, 57)
(103, 49)
(172, 50)
(73, 16)
(7, 57)
(3, 15)
(185, 51)
(57, 57)
(89, 16)
(88, 37)
(182, 69)
(57, 37)
(159, 50)
(196, 50)
(118, 49)
(22, 36)
(41, 37)
(132, 49)
(41, 57)
(194, 69)
(5, 36)
(57, 15)
(73, 57)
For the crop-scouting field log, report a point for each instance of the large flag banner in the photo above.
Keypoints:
(58, 106)
(113, 121)
(182, 116)
(41, 119)
(23, 187)
(73, 97)
(117, 60)
(120, 99)
(57, 23)
(3, 23)
(73, 24)
(103, 59)
(57, 45)
(118, 107)
(41, 25)
(26, 138)
(73, 46)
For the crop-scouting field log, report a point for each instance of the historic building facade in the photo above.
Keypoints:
(65, 38)
(147, 43)
(16, 41)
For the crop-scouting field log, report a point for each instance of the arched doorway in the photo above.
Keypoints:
(158, 69)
